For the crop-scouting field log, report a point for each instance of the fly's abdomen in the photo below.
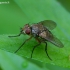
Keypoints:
(45, 34)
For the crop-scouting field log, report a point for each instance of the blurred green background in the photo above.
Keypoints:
(16, 13)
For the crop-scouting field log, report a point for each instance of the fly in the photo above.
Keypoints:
(41, 32)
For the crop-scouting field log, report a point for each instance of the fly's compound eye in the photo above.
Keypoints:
(28, 31)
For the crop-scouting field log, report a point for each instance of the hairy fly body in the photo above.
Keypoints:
(41, 32)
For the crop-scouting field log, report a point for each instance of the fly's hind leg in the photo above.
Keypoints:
(46, 50)
(40, 41)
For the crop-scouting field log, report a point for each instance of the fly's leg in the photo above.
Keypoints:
(23, 43)
(38, 40)
(34, 48)
(15, 36)
(46, 50)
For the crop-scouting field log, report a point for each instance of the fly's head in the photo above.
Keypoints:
(26, 29)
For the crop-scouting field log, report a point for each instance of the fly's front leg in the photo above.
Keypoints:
(24, 43)
(16, 35)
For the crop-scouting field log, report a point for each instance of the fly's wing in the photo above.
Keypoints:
(55, 41)
(47, 35)
(48, 23)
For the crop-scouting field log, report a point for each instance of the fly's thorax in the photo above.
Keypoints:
(34, 30)
(37, 29)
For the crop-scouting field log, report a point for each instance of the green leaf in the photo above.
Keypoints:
(9, 61)
(60, 56)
